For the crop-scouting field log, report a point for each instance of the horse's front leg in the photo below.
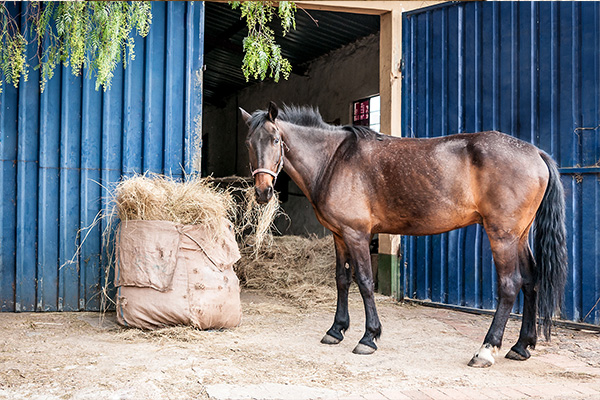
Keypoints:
(360, 258)
(343, 275)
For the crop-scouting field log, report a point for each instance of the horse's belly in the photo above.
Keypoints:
(426, 225)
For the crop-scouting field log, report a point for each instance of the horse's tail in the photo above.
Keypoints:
(550, 248)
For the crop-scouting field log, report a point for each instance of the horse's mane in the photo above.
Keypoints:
(303, 116)
(310, 117)
(362, 131)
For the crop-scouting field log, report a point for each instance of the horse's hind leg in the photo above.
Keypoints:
(505, 251)
(528, 334)
(343, 275)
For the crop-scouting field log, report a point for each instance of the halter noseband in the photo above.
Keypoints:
(279, 162)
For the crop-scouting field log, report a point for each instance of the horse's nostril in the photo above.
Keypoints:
(257, 191)
(270, 191)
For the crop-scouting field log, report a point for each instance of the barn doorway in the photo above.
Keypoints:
(335, 61)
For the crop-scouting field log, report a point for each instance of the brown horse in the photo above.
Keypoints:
(361, 183)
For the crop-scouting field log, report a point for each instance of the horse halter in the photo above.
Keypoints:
(274, 174)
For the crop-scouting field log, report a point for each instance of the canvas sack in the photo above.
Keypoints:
(173, 274)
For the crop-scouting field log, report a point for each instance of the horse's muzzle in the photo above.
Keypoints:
(263, 195)
(263, 186)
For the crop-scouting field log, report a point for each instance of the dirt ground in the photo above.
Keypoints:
(76, 356)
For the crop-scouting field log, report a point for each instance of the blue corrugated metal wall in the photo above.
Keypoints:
(61, 150)
(529, 69)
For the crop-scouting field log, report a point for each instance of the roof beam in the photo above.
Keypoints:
(374, 7)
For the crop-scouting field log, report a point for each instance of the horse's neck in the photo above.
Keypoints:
(309, 151)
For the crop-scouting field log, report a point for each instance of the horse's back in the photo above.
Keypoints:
(427, 186)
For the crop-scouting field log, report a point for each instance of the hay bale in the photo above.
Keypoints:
(175, 249)
(195, 201)
(171, 274)
(296, 268)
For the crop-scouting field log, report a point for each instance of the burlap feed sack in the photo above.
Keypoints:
(147, 250)
(172, 274)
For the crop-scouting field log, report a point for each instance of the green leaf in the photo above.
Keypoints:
(94, 35)
(262, 55)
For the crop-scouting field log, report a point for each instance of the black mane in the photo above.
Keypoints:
(362, 131)
(309, 117)
(304, 116)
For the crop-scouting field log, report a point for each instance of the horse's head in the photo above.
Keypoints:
(265, 146)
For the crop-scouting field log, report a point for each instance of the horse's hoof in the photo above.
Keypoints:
(484, 358)
(517, 355)
(363, 349)
(328, 339)
(477, 362)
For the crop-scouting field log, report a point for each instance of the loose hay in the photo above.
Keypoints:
(157, 197)
(171, 333)
(295, 268)
(257, 221)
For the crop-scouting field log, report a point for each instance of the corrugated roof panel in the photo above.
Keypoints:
(308, 42)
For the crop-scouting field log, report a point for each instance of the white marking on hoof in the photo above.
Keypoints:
(328, 339)
(363, 349)
(484, 357)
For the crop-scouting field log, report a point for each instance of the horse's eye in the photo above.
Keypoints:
(276, 140)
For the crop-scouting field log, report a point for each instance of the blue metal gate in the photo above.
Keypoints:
(529, 69)
(63, 149)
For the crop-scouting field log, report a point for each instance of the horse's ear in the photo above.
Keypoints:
(273, 111)
(246, 116)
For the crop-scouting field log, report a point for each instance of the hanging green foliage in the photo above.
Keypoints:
(92, 35)
(261, 54)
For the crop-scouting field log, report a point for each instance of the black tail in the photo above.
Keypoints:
(550, 247)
